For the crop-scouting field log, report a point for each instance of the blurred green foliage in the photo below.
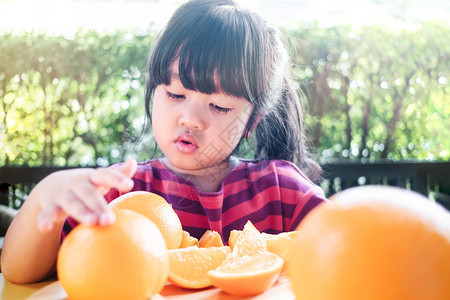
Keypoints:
(70, 100)
(373, 92)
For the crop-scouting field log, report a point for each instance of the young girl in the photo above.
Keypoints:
(218, 79)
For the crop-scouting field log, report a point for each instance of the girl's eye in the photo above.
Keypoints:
(219, 109)
(175, 96)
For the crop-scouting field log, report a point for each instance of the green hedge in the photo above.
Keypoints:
(376, 92)
(373, 93)
(69, 101)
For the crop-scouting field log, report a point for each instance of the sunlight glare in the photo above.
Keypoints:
(67, 16)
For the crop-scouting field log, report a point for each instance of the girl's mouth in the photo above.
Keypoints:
(186, 143)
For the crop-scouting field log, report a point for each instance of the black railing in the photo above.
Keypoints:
(17, 182)
(428, 178)
(431, 179)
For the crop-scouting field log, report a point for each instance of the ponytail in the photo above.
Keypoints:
(280, 134)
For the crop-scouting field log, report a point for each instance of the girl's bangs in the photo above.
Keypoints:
(216, 56)
(213, 63)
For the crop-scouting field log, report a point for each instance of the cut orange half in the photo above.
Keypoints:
(188, 267)
(247, 275)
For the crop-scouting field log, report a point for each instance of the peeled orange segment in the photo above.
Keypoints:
(249, 241)
(290, 234)
(249, 225)
(188, 240)
(188, 267)
(233, 238)
(281, 244)
(210, 239)
(247, 275)
(157, 210)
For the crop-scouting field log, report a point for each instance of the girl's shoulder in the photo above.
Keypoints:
(280, 168)
(261, 175)
(259, 165)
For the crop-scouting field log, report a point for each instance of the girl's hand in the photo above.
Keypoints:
(79, 193)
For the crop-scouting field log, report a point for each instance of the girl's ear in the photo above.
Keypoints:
(256, 119)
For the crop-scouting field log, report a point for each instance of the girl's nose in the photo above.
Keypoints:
(192, 118)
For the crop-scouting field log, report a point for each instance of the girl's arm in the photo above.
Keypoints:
(32, 241)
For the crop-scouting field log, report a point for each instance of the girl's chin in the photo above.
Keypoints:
(191, 165)
(184, 164)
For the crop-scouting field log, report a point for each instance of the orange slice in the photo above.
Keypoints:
(188, 240)
(247, 275)
(249, 241)
(188, 267)
(250, 269)
(210, 238)
(280, 244)
(233, 238)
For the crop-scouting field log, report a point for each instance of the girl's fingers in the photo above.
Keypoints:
(91, 197)
(88, 206)
(114, 177)
(48, 216)
(72, 205)
(83, 199)
(129, 168)
(76, 208)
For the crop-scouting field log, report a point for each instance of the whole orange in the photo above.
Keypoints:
(126, 260)
(158, 210)
(373, 242)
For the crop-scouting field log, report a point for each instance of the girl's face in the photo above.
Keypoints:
(195, 131)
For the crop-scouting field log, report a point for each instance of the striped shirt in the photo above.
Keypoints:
(273, 194)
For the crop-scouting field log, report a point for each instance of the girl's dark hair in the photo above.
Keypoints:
(217, 39)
